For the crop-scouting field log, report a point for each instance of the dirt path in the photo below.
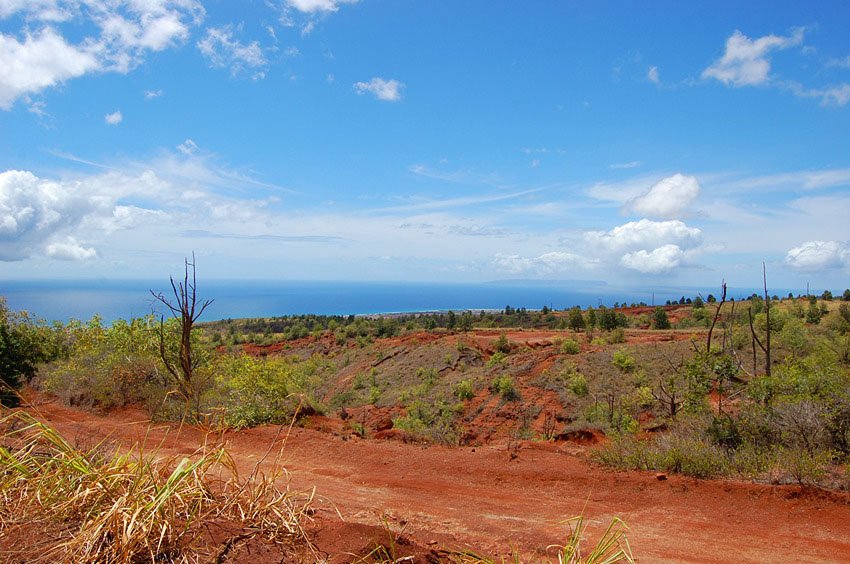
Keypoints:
(484, 499)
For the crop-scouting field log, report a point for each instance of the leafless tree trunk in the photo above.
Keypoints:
(716, 315)
(184, 307)
(765, 347)
(767, 329)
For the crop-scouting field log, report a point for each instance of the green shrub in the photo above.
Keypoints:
(806, 468)
(624, 361)
(431, 420)
(502, 344)
(616, 336)
(577, 384)
(23, 344)
(668, 453)
(464, 390)
(504, 387)
(108, 367)
(256, 391)
(498, 359)
(570, 346)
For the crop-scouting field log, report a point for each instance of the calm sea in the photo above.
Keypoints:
(113, 299)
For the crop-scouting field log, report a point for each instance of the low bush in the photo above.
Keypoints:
(504, 386)
(464, 390)
(570, 346)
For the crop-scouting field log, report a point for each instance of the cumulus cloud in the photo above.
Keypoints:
(652, 75)
(819, 255)
(222, 50)
(646, 246)
(547, 263)
(125, 33)
(662, 259)
(644, 234)
(382, 89)
(745, 61)
(114, 118)
(666, 199)
(38, 62)
(70, 249)
(33, 211)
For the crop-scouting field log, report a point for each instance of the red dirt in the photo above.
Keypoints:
(491, 498)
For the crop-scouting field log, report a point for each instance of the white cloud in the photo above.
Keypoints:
(843, 62)
(819, 255)
(71, 250)
(745, 61)
(838, 95)
(804, 179)
(662, 259)
(667, 199)
(40, 61)
(382, 89)
(317, 6)
(124, 33)
(222, 50)
(114, 118)
(652, 75)
(547, 263)
(644, 234)
(33, 211)
(630, 164)
(151, 94)
(187, 147)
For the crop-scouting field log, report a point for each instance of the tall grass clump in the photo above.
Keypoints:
(134, 505)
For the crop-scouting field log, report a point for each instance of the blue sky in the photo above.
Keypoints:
(640, 143)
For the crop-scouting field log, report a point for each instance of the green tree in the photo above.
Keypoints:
(591, 318)
(22, 347)
(813, 314)
(576, 319)
(451, 320)
(660, 319)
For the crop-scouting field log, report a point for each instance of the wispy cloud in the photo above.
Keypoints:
(424, 205)
(388, 90)
(222, 50)
(652, 75)
(746, 62)
(201, 233)
(630, 164)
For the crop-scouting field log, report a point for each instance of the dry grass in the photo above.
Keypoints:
(611, 547)
(74, 505)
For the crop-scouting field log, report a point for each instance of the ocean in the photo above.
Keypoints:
(61, 300)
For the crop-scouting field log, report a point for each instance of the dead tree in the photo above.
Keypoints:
(186, 309)
(765, 347)
(716, 316)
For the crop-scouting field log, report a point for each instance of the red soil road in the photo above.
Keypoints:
(484, 499)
